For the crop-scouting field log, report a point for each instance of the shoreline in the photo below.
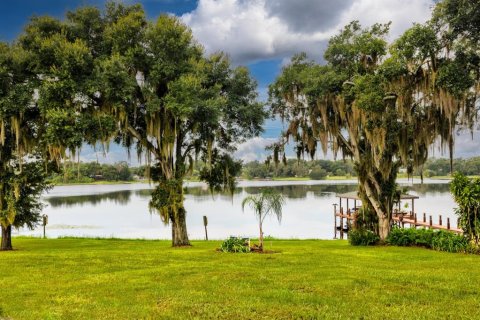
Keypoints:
(287, 179)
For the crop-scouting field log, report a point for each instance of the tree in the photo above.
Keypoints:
(22, 169)
(148, 86)
(318, 174)
(266, 203)
(383, 111)
(21, 191)
(45, 77)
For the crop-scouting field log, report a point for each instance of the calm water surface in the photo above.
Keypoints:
(122, 210)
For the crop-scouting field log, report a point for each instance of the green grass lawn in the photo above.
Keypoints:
(134, 279)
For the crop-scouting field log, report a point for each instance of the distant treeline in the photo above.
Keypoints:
(92, 171)
(316, 169)
(441, 167)
(320, 169)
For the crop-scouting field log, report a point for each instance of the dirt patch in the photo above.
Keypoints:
(257, 250)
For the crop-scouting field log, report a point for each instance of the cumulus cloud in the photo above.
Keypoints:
(402, 13)
(264, 29)
(466, 145)
(115, 153)
(307, 15)
(254, 149)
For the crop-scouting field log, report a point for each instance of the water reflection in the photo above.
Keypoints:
(198, 194)
(433, 189)
(122, 210)
(117, 197)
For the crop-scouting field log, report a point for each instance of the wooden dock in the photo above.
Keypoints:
(402, 219)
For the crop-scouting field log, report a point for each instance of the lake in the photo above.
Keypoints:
(122, 210)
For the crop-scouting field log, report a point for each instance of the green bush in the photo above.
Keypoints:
(450, 242)
(466, 193)
(437, 240)
(362, 237)
(410, 237)
(235, 245)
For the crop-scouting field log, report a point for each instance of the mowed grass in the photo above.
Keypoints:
(134, 279)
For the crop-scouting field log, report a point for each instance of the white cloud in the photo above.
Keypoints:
(263, 29)
(402, 13)
(115, 154)
(465, 146)
(254, 149)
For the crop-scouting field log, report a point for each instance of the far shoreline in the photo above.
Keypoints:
(287, 179)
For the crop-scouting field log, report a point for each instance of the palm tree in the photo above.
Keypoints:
(263, 204)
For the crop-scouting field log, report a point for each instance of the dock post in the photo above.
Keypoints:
(335, 219)
(424, 219)
(341, 223)
(415, 221)
(440, 219)
(431, 221)
(448, 223)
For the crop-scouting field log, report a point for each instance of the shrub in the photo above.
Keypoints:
(450, 242)
(466, 193)
(437, 240)
(410, 237)
(362, 237)
(235, 245)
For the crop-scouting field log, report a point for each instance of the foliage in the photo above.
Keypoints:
(449, 241)
(297, 168)
(234, 244)
(22, 168)
(149, 86)
(466, 193)
(362, 237)
(92, 171)
(437, 240)
(365, 219)
(441, 167)
(382, 106)
(406, 237)
(318, 174)
(267, 202)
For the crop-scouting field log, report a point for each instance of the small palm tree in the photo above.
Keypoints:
(263, 204)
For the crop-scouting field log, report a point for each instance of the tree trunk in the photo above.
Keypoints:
(378, 196)
(179, 229)
(261, 238)
(6, 238)
(383, 227)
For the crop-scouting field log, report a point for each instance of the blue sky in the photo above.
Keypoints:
(261, 34)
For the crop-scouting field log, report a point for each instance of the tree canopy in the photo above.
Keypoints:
(382, 105)
(113, 75)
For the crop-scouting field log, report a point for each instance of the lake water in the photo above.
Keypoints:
(122, 210)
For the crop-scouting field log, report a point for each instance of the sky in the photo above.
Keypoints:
(261, 34)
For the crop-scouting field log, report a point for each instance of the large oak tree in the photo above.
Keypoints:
(382, 105)
(148, 86)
